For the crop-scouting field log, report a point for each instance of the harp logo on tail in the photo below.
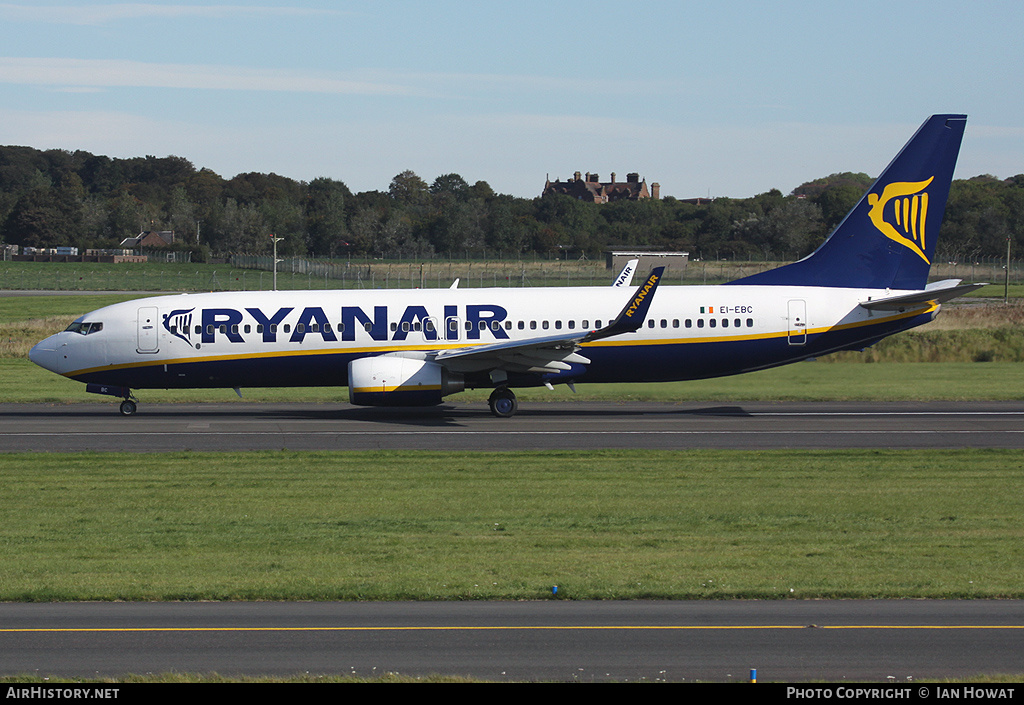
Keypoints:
(901, 212)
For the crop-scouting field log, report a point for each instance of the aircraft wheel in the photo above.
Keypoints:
(128, 408)
(503, 403)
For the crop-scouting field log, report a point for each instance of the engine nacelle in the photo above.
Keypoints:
(400, 381)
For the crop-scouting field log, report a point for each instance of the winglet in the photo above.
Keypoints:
(625, 277)
(634, 313)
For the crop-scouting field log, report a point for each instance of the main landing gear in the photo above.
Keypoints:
(503, 402)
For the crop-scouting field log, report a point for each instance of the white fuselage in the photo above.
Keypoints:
(306, 338)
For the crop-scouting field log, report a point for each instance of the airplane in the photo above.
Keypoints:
(414, 347)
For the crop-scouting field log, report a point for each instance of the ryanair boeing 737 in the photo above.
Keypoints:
(415, 347)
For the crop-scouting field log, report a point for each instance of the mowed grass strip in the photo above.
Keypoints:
(445, 526)
(24, 383)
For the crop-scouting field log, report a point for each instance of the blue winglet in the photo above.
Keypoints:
(634, 313)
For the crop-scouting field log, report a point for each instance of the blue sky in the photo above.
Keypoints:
(708, 98)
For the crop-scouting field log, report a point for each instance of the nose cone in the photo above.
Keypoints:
(44, 354)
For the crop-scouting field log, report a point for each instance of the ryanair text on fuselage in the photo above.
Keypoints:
(229, 324)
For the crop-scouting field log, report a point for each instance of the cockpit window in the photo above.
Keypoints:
(85, 328)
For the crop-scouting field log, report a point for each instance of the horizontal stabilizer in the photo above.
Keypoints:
(937, 293)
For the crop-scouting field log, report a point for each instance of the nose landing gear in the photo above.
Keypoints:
(130, 404)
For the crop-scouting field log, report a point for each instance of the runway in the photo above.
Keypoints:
(538, 426)
(554, 640)
(793, 641)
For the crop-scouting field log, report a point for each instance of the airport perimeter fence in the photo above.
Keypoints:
(256, 273)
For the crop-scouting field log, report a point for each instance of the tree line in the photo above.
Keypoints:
(52, 198)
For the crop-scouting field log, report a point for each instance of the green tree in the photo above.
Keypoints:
(326, 220)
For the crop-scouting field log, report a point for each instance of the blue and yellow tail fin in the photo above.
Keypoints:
(887, 241)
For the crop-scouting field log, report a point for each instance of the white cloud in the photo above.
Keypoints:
(95, 73)
(104, 14)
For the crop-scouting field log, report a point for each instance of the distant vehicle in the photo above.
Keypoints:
(416, 346)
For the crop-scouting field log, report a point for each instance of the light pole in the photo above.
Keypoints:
(276, 260)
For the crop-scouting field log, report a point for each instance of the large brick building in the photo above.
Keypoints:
(593, 189)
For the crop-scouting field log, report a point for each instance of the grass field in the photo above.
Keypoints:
(602, 524)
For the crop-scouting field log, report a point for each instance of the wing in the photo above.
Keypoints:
(554, 353)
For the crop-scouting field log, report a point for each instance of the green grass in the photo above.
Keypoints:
(22, 382)
(603, 524)
(398, 274)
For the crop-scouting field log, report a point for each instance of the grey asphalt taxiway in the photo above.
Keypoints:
(537, 426)
(899, 642)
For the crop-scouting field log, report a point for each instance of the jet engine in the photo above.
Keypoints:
(388, 380)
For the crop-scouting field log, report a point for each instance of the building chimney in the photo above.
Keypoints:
(655, 190)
